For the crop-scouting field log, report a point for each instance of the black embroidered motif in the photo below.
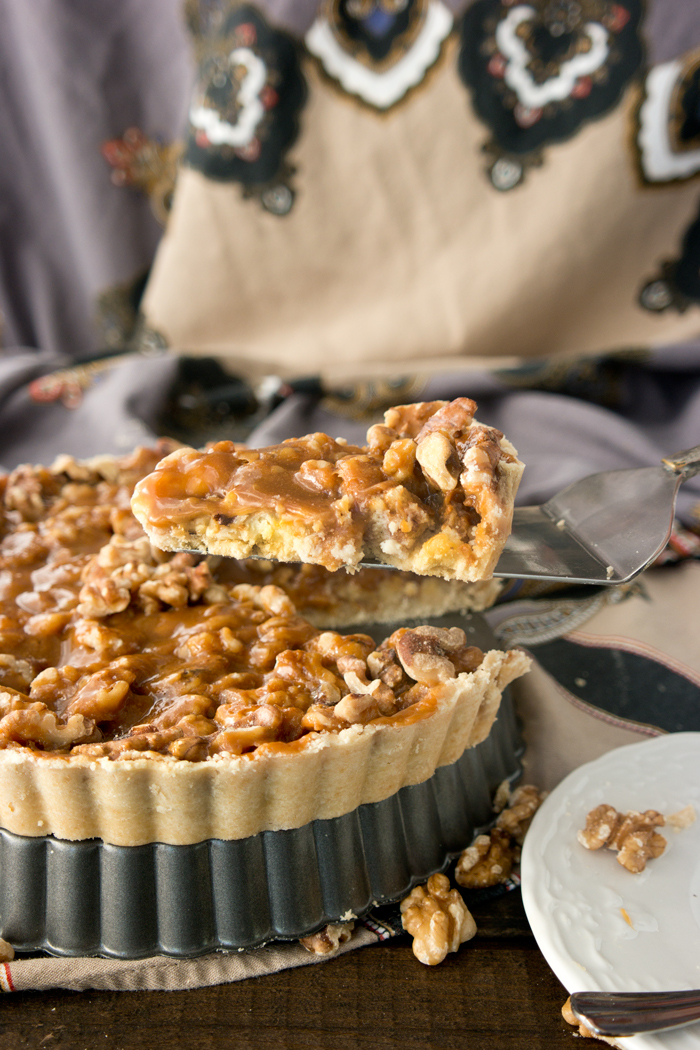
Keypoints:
(245, 110)
(668, 121)
(598, 380)
(538, 71)
(376, 33)
(378, 50)
(677, 284)
(686, 118)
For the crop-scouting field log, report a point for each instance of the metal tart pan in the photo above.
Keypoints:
(94, 898)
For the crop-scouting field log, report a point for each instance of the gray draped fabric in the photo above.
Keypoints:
(560, 438)
(73, 74)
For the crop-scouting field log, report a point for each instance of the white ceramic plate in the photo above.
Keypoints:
(574, 897)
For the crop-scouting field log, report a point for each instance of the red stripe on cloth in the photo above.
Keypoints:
(8, 977)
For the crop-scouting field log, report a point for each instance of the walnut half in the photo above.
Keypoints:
(522, 806)
(438, 920)
(425, 652)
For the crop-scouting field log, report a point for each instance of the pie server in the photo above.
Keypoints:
(604, 529)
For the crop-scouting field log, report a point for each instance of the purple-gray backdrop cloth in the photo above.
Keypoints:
(73, 74)
(560, 438)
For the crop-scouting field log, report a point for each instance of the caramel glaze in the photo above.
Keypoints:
(111, 648)
(295, 478)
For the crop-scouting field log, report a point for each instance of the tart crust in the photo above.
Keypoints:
(280, 786)
(432, 493)
(369, 596)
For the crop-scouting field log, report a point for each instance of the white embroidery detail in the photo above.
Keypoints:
(382, 89)
(660, 163)
(222, 132)
(555, 89)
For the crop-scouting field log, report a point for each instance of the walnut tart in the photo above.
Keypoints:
(187, 763)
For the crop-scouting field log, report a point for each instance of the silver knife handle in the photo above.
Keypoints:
(687, 463)
(625, 1013)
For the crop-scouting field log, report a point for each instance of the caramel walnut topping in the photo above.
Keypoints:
(437, 918)
(367, 596)
(433, 654)
(110, 648)
(633, 835)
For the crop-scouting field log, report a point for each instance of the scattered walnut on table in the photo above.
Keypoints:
(328, 940)
(632, 835)
(522, 806)
(490, 858)
(437, 918)
(7, 952)
(502, 796)
(488, 861)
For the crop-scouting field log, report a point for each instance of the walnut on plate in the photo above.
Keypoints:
(328, 940)
(632, 835)
(683, 818)
(437, 918)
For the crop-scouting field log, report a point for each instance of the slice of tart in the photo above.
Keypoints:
(432, 492)
(144, 698)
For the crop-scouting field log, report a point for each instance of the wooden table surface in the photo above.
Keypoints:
(496, 993)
